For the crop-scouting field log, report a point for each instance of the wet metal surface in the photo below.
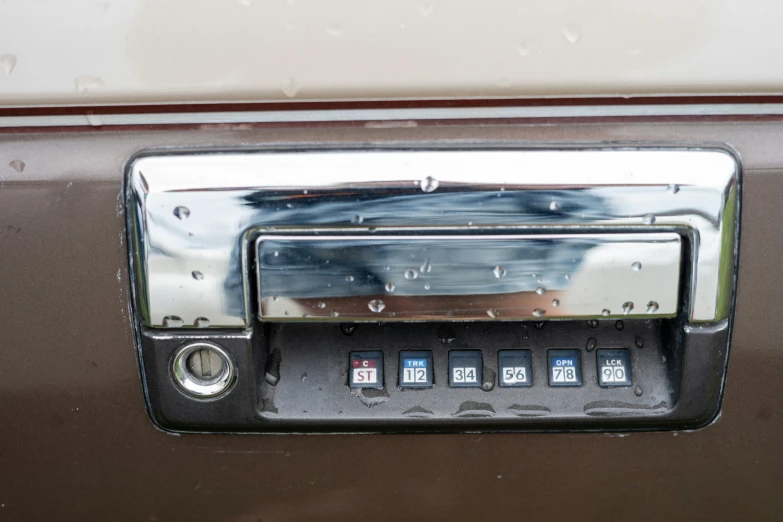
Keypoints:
(77, 443)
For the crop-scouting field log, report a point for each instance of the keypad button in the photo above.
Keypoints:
(465, 369)
(415, 369)
(565, 367)
(514, 368)
(366, 370)
(614, 368)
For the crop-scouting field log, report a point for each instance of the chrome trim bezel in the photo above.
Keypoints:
(708, 177)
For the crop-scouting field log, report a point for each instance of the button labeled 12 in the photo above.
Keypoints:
(415, 369)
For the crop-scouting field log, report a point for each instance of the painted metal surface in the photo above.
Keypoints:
(77, 443)
(152, 51)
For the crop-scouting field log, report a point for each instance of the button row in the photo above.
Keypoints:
(466, 367)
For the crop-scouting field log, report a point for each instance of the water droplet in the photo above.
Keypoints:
(335, 313)
(572, 33)
(538, 312)
(426, 9)
(376, 305)
(349, 278)
(637, 266)
(173, 321)
(85, 84)
(17, 165)
(554, 206)
(427, 286)
(93, 120)
(652, 307)
(321, 305)
(638, 391)
(605, 312)
(555, 302)
(198, 276)
(627, 307)
(567, 277)
(291, 87)
(275, 298)
(539, 325)
(411, 274)
(673, 188)
(648, 219)
(334, 30)
(499, 272)
(426, 267)
(492, 313)
(429, 184)
(7, 63)
(523, 49)
(639, 342)
(182, 212)
(357, 220)
(390, 287)
(387, 268)
(591, 344)
(304, 377)
(201, 322)
(592, 323)
(348, 328)
(289, 205)
(619, 325)
(525, 333)
(276, 254)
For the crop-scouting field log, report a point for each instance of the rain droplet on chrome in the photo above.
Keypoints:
(538, 312)
(673, 188)
(201, 322)
(335, 313)
(411, 274)
(390, 287)
(426, 267)
(652, 307)
(376, 305)
(493, 313)
(427, 286)
(357, 220)
(321, 305)
(275, 298)
(591, 344)
(499, 272)
(636, 266)
(198, 276)
(182, 212)
(648, 219)
(17, 165)
(627, 307)
(173, 321)
(605, 312)
(429, 184)
(555, 302)
(554, 206)
(349, 278)
(540, 290)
